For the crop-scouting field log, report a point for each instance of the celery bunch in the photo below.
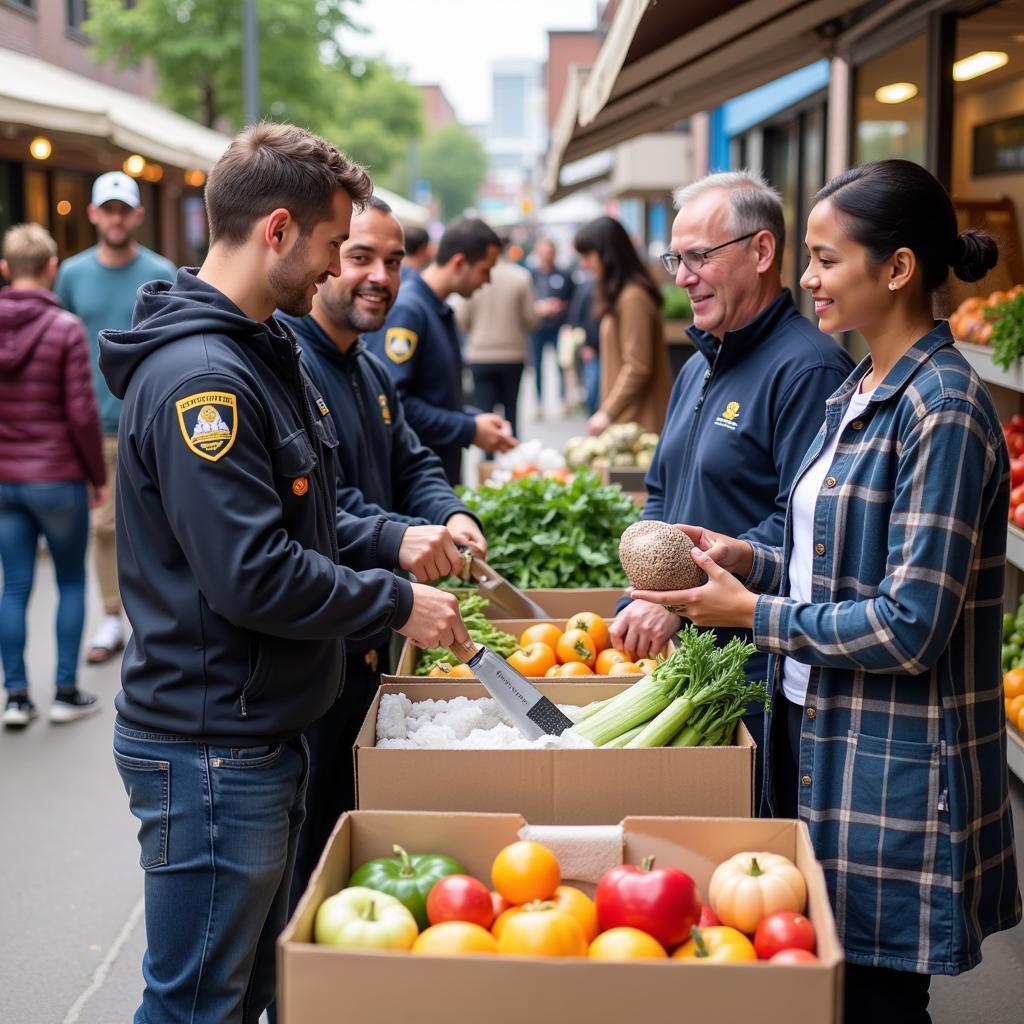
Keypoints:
(693, 698)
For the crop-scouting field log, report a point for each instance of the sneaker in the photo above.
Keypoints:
(70, 705)
(106, 641)
(19, 711)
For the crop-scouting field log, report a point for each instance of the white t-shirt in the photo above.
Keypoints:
(801, 562)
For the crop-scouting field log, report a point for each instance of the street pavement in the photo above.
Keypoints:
(71, 928)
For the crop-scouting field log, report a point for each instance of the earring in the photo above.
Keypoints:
(892, 286)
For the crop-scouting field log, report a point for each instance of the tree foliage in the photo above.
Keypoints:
(454, 164)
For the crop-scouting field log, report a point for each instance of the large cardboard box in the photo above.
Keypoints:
(321, 985)
(561, 602)
(411, 654)
(552, 787)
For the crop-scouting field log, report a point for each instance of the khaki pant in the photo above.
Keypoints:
(104, 551)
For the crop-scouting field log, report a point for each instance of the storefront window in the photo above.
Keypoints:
(890, 105)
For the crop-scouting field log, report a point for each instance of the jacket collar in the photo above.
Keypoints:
(312, 335)
(737, 344)
(429, 296)
(907, 365)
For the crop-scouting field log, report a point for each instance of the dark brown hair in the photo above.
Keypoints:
(620, 262)
(279, 165)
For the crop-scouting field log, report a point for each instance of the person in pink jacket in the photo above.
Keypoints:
(51, 455)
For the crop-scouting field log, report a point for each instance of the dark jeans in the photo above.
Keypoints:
(497, 384)
(60, 512)
(332, 790)
(218, 828)
(540, 340)
(871, 995)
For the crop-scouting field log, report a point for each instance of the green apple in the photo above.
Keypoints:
(361, 918)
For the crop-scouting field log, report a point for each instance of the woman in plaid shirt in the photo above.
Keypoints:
(883, 608)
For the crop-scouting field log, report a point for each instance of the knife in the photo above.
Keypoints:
(499, 591)
(533, 714)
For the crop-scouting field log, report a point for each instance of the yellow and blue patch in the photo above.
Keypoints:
(209, 423)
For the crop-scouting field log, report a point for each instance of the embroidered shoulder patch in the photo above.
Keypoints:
(400, 344)
(209, 423)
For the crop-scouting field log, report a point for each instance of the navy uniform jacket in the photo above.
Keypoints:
(738, 424)
(383, 470)
(235, 571)
(553, 284)
(420, 347)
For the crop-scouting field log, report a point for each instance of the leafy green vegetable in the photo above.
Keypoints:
(546, 533)
(481, 629)
(1007, 339)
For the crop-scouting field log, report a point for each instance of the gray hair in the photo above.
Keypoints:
(755, 205)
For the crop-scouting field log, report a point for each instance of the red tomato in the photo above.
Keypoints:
(783, 930)
(1015, 442)
(793, 956)
(1018, 516)
(1017, 421)
(499, 903)
(708, 918)
(662, 902)
(460, 898)
(1017, 496)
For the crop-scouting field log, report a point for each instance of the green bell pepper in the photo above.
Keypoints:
(408, 877)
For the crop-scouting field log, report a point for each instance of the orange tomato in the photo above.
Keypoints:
(442, 670)
(646, 665)
(553, 671)
(573, 901)
(1013, 683)
(454, 938)
(717, 944)
(1020, 720)
(625, 668)
(542, 930)
(574, 668)
(525, 871)
(609, 657)
(626, 944)
(593, 624)
(577, 645)
(541, 633)
(1014, 706)
(533, 660)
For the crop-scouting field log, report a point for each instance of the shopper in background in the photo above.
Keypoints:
(747, 405)
(581, 317)
(553, 287)
(419, 251)
(635, 375)
(498, 320)
(882, 609)
(419, 345)
(99, 286)
(51, 454)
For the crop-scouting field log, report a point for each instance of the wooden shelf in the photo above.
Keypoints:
(980, 358)
(1015, 751)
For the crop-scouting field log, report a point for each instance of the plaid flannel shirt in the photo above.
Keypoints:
(902, 763)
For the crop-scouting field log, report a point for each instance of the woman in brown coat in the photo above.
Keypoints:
(635, 376)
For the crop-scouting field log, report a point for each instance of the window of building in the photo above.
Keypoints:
(25, 5)
(77, 12)
(891, 104)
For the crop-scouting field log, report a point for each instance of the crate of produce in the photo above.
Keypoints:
(446, 958)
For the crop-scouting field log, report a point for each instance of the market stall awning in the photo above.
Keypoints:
(41, 95)
(411, 214)
(662, 62)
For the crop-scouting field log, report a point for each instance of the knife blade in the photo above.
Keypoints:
(533, 714)
(500, 592)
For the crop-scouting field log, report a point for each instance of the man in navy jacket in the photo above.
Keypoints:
(420, 347)
(383, 471)
(744, 410)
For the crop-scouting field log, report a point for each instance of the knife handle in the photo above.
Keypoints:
(463, 651)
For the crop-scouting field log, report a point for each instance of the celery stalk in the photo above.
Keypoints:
(658, 732)
(589, 710)
(635, 706)
(621, 741)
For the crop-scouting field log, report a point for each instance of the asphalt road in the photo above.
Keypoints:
(71, 931)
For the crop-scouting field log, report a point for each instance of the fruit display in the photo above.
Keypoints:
(440, 662)
(996, 320)
(622, 445)
(1013, 432)
(553, 533)
(579, 649)
(1013, 638)
(1013, 698)
(530, 458)
(416, 904)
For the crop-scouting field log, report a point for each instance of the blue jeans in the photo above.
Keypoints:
(60, 512)
(539, 340)
(218, 830)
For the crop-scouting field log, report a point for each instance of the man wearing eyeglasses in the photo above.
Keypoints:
(741, 418)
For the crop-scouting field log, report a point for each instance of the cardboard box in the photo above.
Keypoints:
(410, 656)
(321, 985)
(552, 787)
(629, 478)
(561, 602)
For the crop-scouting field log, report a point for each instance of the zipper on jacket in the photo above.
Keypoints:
(709, 374)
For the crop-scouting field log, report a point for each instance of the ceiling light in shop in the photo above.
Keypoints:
(63, 208)
(134, 165)
(977, 64)
(896, 92)
(195, 178)
(40, 147)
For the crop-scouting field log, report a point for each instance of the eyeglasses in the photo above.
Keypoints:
(696, 258)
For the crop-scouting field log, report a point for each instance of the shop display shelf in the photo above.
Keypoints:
(1015, 751)
(980, 358)
(1015, 547)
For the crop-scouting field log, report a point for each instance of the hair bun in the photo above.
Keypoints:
(974, 255)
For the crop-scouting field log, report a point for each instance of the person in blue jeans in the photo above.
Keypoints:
(50, 453)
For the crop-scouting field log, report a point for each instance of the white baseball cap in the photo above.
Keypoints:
(115, 185)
